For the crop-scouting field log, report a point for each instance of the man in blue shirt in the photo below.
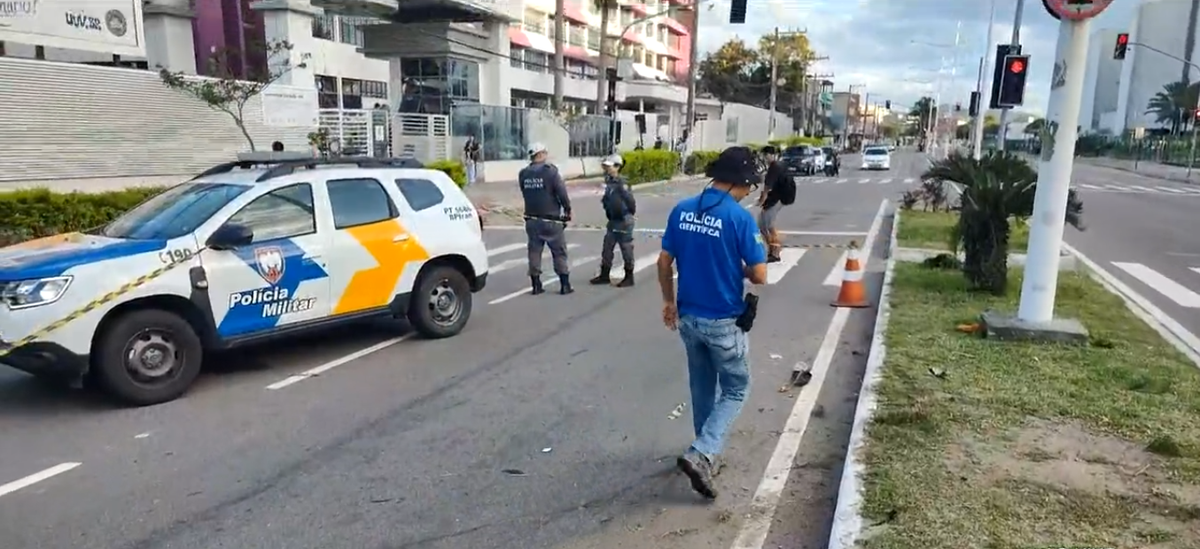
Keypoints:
(717, 245)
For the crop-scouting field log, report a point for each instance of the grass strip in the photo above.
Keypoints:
(978, 443)
(931, 230)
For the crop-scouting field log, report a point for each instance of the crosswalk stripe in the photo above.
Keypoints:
(840, 181)
(861, 181)
(1194, 269)
(1170, 190)
(517, 262)
(908, 180)
(1086, 186)
(1116, 187)
(819, 181)
(1168, 288)
(884, 181)
(788, 258)
(1189, 190)
(505, 249)
(834, 278)
(1141, 188)
(545, 281)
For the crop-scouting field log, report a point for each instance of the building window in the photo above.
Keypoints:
(374, 89)
(516, 57)
(350, 29)
(535, 21)
(322, 27)
(351, 93)
(434, 85)
(327, 92)
(593, 40)
(575, 36)
(502, 131)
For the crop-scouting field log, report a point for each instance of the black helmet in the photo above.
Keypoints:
(736, 166)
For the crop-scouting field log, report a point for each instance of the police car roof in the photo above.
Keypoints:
(266, 167)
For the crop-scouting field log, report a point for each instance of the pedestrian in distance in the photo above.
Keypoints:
(471, 158)
(620, 209)
(779, 190)
(547, 211)
(715, 244)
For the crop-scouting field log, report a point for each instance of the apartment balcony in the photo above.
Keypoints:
(672, 25)
(421, 11)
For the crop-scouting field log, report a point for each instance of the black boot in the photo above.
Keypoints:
(605, 277)
(628, 280)
(537, 285)
(564, 284)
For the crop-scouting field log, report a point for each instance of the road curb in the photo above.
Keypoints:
(1143, 174)
(847, 515)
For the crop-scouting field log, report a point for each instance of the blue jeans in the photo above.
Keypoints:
(472, 171)
(719, 375)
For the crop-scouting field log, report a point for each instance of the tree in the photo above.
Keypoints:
(725, 73)
(1175, 105)
(991, 125)
(1035, 126)
(224, 92)
(739, 73)
(923, 111)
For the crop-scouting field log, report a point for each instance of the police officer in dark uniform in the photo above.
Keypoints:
(620, 209)
(547, 211)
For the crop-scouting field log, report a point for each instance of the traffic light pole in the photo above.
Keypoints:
(1016, 42)
(981, 114)
(1054, 176)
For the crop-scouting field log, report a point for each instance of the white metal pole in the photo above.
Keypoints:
(954, 79)
(1016, 41)
(983, 84)
(1054, 181)
(774, 87)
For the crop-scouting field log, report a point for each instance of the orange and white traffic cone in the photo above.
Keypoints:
(852, 294)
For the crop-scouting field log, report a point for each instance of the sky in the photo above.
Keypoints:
(897, 47)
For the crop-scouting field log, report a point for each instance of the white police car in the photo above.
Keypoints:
(246, 251)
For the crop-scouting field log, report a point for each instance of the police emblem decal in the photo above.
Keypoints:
(115, 21)
(270, 263)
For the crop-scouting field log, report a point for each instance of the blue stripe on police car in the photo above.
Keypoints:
(282, 267)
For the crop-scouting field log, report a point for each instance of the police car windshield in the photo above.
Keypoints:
(173, 213)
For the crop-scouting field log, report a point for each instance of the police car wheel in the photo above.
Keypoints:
(440, 303)
(148, 357)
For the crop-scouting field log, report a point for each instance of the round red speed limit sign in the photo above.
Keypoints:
(1075, 10)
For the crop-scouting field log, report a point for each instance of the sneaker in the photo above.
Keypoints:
(699, 471)
(774, 259)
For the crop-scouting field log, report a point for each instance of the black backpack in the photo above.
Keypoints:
(785, 188)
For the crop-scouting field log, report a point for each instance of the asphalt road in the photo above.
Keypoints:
(551, 421)
(1145, 232)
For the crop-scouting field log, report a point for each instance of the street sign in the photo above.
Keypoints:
(1075, 10)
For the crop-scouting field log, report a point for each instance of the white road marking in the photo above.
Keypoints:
(840, 181)
(1116, 188)
(823, 233)
(1171, 190)
(884, 181)
(908, 180)
(1194, 269)
(821, 180)
(549, 281)
(313, 372)
(863, 181)
(37, 477)
(506, 248)
(838, 272)
(755, 528)
(788, 258)
(1168, 288)
(1141, 188)
(518, 262)
(1086, 186)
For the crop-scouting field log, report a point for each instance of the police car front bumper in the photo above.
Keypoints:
(42, 358)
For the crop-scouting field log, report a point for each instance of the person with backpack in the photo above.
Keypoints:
(779, 190)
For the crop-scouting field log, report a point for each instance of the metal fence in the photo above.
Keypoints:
(506, 132)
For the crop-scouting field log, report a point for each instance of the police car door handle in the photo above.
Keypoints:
(400, 238)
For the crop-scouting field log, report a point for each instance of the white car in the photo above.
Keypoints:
(246, 251)
(876, 158)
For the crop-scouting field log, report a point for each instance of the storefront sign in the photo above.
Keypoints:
(101, 26)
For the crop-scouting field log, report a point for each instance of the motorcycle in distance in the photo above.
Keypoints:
(833, 164)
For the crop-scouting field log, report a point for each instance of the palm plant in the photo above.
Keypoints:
(1175, 105)
(997, 190)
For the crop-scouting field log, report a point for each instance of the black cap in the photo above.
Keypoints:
(736, 166)
(770, 149)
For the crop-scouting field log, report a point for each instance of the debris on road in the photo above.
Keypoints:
(547, 450)
(514, 472)
(678, 411)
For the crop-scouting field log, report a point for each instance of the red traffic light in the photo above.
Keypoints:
(1122, 38)
(1016, 66)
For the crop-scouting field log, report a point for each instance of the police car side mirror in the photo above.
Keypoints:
(230, 236)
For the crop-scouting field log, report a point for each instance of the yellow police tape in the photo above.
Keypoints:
(92, 305)
(516, 216)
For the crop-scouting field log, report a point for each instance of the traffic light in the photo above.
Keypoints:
(887, 104)
(973, 110)
(1122, 46)
(957, 107)
(1012, 81)
(737, 12)
(1002, 51)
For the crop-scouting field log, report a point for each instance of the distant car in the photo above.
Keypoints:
(792, 159)
(876, 158)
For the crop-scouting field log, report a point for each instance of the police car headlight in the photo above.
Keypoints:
(32, 293)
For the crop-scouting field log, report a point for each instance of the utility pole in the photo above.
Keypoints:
(774, 85)
(693, 60)
(980, 116)
(1016, 42)
(560, 8)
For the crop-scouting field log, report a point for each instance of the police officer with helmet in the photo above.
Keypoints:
(620, 209)
(547, 211)
(716, 245)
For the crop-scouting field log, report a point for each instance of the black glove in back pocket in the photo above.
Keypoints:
(745, 321)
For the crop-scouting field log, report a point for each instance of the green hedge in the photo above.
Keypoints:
(35, 213)
(649, 165)
(698, 161)
(453, 168)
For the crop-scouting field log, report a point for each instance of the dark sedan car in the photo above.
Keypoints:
(798, 160)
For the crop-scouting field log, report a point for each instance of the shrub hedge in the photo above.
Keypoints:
(453, 168)
(35, 213)
(649, 165)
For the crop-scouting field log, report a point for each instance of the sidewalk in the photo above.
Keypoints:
(1144, 168)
